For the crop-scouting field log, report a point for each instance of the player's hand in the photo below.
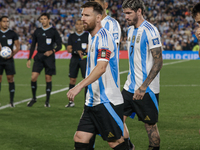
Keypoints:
(80, 54)
(198, 33)
(139, 94)
(73, 92)
(48, 53)
(28, 64)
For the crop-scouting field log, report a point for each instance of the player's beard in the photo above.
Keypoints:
(133, 22)
(89, 27)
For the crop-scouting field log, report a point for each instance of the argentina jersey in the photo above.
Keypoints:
(105, 89)
(140, 42)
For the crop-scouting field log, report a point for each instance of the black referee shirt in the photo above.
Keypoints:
(7, 38)
(46, 39)
(76, 40)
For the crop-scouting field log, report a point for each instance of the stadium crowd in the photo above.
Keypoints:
(172, 18)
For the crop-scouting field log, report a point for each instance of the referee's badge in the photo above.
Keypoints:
(48, 41)
(9, 41)
(84, 46)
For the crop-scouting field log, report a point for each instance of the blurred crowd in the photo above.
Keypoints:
(172, 18)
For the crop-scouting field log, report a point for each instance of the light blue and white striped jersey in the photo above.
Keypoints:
(140, 42)
(114, 28)
(103, 48)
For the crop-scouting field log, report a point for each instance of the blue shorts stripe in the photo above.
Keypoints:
(115, 116)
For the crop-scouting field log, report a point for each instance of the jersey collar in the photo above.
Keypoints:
(80, 34)
(47, 28)
(4, 31)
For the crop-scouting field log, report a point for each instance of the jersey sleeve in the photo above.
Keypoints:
(34, 41)
(58, 41)
(105, 47)
(70, 40)
(116, 33)
(16, 37)
(154, 39)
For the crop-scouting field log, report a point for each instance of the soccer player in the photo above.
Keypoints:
(46, 38)
(104, 103)
(77, 45)
(141, 90)
(113, 27)
(196, 16)
(8, 38)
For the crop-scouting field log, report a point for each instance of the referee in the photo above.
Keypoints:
(77, 45)
(8, 38)
(47, 38)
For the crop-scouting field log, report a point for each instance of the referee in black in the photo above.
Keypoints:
(47, 38)
(8, 38)
(77, 45)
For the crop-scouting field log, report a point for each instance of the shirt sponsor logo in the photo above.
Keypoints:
(156, 41)
(9, 41)
(116, 36)
(48, 41)
(3, 36)
(79, 39)
(44, 34)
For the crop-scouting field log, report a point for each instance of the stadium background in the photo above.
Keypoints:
(40, 128)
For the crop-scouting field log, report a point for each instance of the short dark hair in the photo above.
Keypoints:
(195, 10)
(96, 7)
(103, 1)
(134, 5)
(3, 17)
(45, 14)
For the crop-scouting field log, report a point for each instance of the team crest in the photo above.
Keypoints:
(48, 41)
(9, 41)
(133, 39)
(138, 39)
(84, 46)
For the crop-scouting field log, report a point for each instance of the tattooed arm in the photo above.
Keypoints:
(157, 65)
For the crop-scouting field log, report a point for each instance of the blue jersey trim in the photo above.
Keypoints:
(103, 97)
(115, 116)
(131, 61)
(150, 28)
(154, 99)
(107, 26)
(143, 50)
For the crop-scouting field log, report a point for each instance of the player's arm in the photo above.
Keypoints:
(198, 37)
(94, 75)
(69, 47)
(17, 45)
(34, 41)
(157, 65)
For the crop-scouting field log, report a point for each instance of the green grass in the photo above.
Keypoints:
(39, 128)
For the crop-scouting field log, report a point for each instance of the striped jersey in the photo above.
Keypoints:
(105, 89)
(140, 42)
(114, 28)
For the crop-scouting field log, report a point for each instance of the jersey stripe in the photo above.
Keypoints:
(151, 29)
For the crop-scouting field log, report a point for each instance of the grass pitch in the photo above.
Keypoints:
(39, 128)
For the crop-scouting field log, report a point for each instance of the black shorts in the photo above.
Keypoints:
(146, 109)
(41, 61)
(8, 66)
(104, 119)
(75, 64)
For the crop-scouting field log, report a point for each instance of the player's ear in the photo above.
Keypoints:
(99, 17)
(139, 12)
